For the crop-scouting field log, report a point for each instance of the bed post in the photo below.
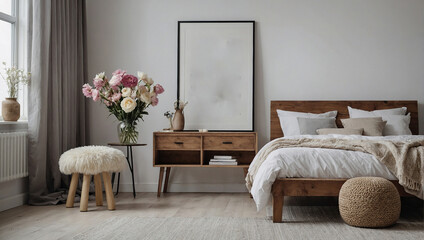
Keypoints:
(277, 202)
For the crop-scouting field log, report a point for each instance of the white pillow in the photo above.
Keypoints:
(397, 123)
(289, 123)
(309, 126)
(358, 113)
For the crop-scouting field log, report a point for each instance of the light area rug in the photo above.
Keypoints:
(300, 222)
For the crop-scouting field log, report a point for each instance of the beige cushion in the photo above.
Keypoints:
(371, 126)
(341, 131)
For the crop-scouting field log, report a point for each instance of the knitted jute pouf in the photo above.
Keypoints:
(369, 202)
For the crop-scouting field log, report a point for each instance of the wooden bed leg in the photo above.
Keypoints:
(246, 170)
(277, 209)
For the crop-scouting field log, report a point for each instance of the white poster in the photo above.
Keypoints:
(216, 74)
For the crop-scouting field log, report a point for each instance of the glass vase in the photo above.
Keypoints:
(127, 133)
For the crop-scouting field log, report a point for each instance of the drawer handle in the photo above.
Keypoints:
(179, 143)
(227, 142)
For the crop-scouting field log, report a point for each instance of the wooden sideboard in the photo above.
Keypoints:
(195, 149)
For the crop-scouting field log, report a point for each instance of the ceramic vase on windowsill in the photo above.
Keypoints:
(13, 76)
(10, 110)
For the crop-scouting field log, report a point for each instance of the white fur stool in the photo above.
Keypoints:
(91, 160)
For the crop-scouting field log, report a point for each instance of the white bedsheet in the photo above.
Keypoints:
(318, 163)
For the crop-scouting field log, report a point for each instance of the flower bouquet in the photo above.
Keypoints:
(125, 96)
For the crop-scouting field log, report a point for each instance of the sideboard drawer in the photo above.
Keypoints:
(177, 143)
(229, 143)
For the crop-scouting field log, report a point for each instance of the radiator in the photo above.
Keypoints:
(13, 155)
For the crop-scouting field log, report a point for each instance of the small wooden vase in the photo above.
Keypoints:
(178, 121)
(11, 109)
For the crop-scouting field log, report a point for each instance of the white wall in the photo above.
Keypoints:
(305, 50)
(13, 193)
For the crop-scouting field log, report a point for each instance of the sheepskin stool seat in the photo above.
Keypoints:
(371, 202)
(91, 160)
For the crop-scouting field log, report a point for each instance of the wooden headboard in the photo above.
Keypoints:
(341, 107)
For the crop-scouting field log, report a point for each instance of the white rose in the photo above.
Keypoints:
(100, 75)
(126, 92)
(142, 75)
(128, 104)
(145, 97)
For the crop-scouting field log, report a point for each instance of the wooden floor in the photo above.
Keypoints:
(53, 222)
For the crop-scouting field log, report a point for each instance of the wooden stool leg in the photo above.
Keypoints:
(160, 180)
(109, 193)
(98, 189)
(72, 190)
(165, 187)
(84, 193)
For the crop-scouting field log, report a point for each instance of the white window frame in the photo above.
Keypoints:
(19, 52)
(13, 19)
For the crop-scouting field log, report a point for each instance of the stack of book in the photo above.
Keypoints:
(223, 160)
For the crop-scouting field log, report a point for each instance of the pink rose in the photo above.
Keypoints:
(98, 83)
(154, 100)
(96, 94)
(116, 97)
(158, 89)
(129, 81)
(87, 90)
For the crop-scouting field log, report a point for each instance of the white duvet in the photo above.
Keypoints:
(318, 163)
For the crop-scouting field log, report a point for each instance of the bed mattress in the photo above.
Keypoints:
(318, 163)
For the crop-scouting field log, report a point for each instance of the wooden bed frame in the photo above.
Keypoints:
(317, 186)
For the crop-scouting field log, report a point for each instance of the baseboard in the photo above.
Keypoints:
(13, 201)
(184, 187)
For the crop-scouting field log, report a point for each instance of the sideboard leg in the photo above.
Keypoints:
(160, 180)
(165, 187)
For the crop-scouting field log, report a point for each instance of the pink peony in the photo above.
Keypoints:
(115, 81)
(119, 72)
(87, 90)
(129, 81)
(116, 97)
(154, 99)
(98, 83)
(159, 89)
(96, 94)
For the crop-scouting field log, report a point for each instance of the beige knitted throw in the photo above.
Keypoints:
(404, 159)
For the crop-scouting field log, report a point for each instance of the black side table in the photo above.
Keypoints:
(130, 164)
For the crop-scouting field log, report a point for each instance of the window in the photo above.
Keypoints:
(11, 47)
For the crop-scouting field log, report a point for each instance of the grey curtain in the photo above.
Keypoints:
(56, 113)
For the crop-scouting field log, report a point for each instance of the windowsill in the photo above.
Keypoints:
(6, 126)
